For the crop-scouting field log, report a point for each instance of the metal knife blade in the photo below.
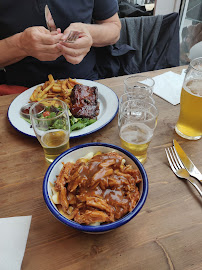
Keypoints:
(189, 165)
(49, 20)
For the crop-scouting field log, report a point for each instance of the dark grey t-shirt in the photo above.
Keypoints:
(16, 16)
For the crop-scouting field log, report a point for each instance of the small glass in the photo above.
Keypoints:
(189, 124)
(131, 96)
(137, 121)
(139, 84)
(52, 126)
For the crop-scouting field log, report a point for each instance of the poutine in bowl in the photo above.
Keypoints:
(93, 213)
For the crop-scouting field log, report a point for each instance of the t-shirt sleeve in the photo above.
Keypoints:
(104, 9)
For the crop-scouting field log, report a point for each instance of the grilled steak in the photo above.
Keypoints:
(84, 102)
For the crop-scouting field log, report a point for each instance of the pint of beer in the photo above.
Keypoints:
(189, 124)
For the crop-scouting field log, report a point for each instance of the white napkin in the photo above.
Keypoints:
(13, 238)
(169, 85)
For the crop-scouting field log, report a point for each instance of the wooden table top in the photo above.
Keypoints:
(166, 234)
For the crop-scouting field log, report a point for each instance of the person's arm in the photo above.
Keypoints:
(36, 41)
(10, 51)
(103, 33)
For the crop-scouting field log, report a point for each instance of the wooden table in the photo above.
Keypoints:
(166, 234)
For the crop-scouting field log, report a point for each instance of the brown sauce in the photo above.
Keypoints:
(102, 189)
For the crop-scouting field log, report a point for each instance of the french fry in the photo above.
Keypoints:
(56, 89)
(50, 77)
(73, 81)
(59, 89)
(69, 86)
(51, 95)
(46, 89)
(44, 96)
(35, 94)
(32, 97)
(64, 85)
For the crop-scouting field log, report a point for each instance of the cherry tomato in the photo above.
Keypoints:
(47, 113)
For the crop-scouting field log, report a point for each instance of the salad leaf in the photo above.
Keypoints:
(59, 124)
(75, 123)
(79, 123)
(26, 119)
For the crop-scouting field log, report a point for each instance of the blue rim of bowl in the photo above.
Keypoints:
(104, 227)
(81, 135)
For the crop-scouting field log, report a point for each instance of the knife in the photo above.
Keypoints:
(188, 164)
(49, 20)
(73, 35)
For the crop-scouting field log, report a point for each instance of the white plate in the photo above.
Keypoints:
(108, 104)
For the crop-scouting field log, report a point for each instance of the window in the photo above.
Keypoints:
(190, 30)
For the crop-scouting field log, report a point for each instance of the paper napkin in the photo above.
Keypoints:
(13, 234)
(169, 85)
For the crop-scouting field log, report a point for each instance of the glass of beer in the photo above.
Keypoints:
(50, 121)
(189, 124)
(139, 85)
(137, 121)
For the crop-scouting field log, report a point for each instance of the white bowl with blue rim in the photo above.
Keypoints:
(72, 155)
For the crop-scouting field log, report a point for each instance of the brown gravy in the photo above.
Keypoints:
(102, 189)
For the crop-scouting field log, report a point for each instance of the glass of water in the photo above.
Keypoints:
(139, 85)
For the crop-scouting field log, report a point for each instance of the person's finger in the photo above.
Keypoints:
(65, 36)
(79, 43)
(74, 60)
(53, 33)
(71, 51)
(71, 45)
(48, 56)
(58, 31)
(50, 39)
(68, 33)
(42, 48)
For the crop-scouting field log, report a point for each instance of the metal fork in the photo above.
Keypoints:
(72, 37)
(178, 168)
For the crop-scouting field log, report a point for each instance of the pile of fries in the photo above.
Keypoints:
(60, 89)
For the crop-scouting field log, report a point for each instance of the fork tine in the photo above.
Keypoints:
(172, 159)
(69, 38)
(175, 159)
(169, 160)
(178, 158)
(180, 173)
(73, 35)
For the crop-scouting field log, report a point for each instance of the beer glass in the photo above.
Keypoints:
(189, 124)
(137, 121)
(130, 96)
(139, 85)
(51, 126)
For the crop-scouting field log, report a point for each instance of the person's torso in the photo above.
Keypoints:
(16, 16)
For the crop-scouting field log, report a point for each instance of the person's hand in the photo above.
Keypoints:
(40, 43)
(75, 52)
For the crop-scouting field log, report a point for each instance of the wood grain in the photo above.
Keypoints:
(166, 234)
